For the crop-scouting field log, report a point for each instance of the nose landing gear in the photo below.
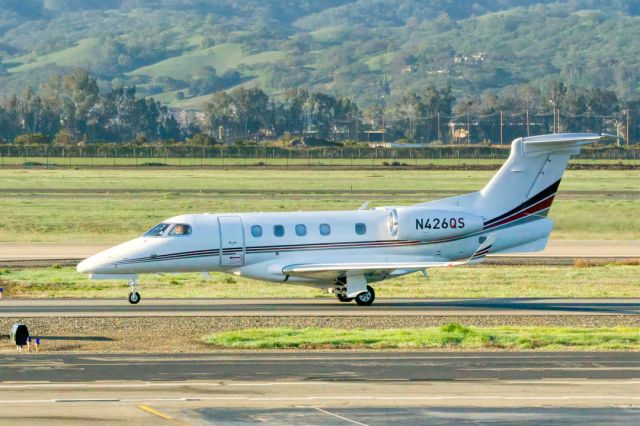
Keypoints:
(134, 296)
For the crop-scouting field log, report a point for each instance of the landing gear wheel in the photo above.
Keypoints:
(344, 299)
(366, 298)
(134, 297)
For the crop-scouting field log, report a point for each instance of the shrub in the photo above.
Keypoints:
(31, 139)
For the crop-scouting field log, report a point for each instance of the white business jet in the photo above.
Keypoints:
(346, 251)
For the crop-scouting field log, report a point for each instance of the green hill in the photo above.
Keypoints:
(183, 50)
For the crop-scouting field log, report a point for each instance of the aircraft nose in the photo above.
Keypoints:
(86, 266)
(94, 265)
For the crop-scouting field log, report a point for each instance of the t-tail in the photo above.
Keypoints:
(522, 191)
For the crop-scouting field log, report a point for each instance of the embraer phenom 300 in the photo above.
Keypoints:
(347, 251)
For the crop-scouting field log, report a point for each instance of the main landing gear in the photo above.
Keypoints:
(365, 298)
(134, 296)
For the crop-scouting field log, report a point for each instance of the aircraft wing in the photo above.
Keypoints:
(384, 269)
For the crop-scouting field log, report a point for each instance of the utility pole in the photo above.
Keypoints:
(439, 138)
(501, 124)
(468, 130)
(528, 132)
(628, 122)
(558, 130)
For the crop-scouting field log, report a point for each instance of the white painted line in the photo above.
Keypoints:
(155, 384)
(279, 383)
(553, 369)
(49, 385)
(102, 385)
(573, 382)
(346, 419)
(339, 398)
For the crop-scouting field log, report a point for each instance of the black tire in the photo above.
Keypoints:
(366, 298)
(344, 299)
(134, 298)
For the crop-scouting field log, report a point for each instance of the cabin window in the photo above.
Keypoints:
(180, 230)
(278, 231)
(256, 231)
(158, 230)
(325, 229)
(301, 230)
(361, 228)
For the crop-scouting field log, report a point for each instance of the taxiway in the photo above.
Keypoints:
(34, 308)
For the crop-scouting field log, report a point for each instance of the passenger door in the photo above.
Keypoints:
(231, 241)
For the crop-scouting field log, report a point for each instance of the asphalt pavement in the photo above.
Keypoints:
(323, 388)
(318, 367)
(314, 307)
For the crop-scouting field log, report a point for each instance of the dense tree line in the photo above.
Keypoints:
(71, 109)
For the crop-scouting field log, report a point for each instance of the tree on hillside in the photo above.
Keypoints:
(201, 139)
(29, 110)
(409, 109)
(31, 139)
(221, 111)
(252, 108)
(82, 92)
(64, 138)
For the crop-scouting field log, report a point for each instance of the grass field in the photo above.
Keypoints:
(613, 280)
(70, 57)
(450, 336)
(222, 57)
(313, 161)
(89, 205)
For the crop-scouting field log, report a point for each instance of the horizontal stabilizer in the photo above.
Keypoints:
(564, 141)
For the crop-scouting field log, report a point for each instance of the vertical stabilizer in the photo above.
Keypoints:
(529, 179)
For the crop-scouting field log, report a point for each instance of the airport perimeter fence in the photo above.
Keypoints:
(115, 155)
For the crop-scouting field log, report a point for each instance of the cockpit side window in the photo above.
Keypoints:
(158, 230)
(180, 230)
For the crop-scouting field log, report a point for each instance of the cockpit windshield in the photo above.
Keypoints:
(169, 229)
(181, 230)
(158, 230)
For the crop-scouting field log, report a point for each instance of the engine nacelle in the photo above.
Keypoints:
(419, 224)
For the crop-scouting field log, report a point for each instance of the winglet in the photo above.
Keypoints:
(483, 250)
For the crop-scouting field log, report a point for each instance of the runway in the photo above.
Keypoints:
(319, 367)
(35, 308)
(12, 252)
(326, 388)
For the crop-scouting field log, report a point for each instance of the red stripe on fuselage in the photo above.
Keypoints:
(542, 205)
